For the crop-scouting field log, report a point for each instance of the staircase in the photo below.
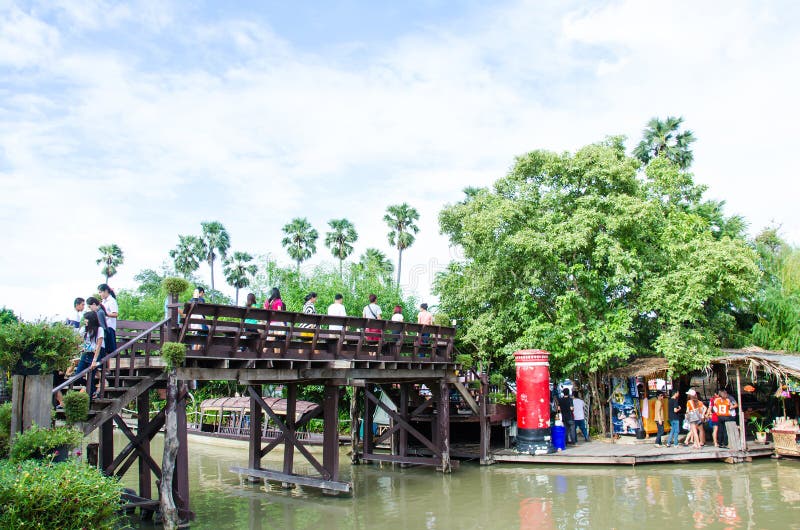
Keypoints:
(125, 374)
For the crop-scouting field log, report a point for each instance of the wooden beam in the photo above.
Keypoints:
(254, 448)
(402, 423)
(443, 421)
(330, 433)
(301, 480)
(473, 405)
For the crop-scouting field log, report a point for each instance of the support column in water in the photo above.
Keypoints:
(533, 402)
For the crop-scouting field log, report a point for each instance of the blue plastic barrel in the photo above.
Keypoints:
(559, 437)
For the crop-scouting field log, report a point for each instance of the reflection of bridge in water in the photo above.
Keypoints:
(257, 347)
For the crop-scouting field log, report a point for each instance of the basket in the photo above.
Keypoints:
(785, 443)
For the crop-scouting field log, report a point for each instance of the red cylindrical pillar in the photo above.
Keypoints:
(533, 401)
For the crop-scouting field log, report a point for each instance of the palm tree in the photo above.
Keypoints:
(187, 255)
(214, 239)
(238, 269)
(339, 239)
(110, 258)
(300, 240)
(662, 137)
(374, 263)
(400, 219)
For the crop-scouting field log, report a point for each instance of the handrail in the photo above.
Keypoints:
(75, 377)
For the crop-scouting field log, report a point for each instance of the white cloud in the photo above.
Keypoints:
(138, 144)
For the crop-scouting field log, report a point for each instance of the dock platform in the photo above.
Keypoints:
(606, 453)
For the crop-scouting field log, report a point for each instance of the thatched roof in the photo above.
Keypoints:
(781, 365)
(242, 404)
(644, 366)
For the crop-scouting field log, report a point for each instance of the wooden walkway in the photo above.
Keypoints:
(606, 453)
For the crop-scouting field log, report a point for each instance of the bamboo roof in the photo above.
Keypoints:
(648, 367)
(779, 364)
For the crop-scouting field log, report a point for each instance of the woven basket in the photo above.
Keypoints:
(785, 443)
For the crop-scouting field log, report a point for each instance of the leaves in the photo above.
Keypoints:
(301, 240)
(110, 258)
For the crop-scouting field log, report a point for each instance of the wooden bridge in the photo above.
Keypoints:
(255, 347)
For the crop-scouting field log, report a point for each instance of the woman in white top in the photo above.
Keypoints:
(373, 311)
(93, 339)
(397, 316)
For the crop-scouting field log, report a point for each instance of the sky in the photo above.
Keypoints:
(133, 122)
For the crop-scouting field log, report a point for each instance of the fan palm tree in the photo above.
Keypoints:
(238, 270)
(339, 239)
(374, 263)
(187, 255)
(663, 138)
(110, 258)
(401, 220)
(300, 241)
(214, 239)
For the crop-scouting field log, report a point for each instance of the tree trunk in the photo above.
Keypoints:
(399, 265)
(211, 265)
(237, 296)
(169, 512)
(599, 419)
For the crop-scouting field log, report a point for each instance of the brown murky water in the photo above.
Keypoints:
(763, 494)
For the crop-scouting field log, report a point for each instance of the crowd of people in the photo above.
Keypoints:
(720, 410)
(95, 320)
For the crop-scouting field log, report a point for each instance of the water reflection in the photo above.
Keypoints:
(764, 494)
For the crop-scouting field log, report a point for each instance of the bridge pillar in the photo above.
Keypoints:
(181, 479)
(106, 445)
(288, 446)
(145, 475)
(254, 457)
(443, 427)
(330, 434)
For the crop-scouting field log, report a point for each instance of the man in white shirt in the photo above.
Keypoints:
(79, 304)
(579, 414)
(337, 309)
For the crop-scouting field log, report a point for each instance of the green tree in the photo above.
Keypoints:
(776, 306)
(300, 241)
(188, 255)
(583, 256)
(373, 264)
(663, 138)
(239, 269)
(401, 219)
(110, 258)
(214, 239)
(340, 239)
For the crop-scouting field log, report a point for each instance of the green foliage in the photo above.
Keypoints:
(760, 424)
(174, 354)
(5, 428)
(7, 316)
(238, 270)
(582, 255)
(110, 258)
(67, 496)
(51, 344)
(76, 407)
(497, 380)
(188, 255)
(339, 240)
(215, 243)
(465, 360)
(38, 442)
(661, 138)
(777, 305)
(175, 286)
(501, 399)
(300, 240)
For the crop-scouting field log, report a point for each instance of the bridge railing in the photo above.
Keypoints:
(231, 332)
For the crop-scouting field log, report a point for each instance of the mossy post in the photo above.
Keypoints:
(174, 287)
(174, 354)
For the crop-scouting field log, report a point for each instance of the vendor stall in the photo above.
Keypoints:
(633, 395)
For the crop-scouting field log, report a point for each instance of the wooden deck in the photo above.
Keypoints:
(606, 453)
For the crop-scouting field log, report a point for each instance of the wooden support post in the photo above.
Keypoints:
(32, 402)
(354, 458)
(330, 433)
(182, 460)
(369, 412)
(443, 421)
(402, 409)
(145, 475)
(106, 445)
(171, 334)
(485, 426)
(256, 414)
(288, 447)
(741, 412)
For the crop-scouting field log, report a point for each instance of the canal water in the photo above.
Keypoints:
(762, 494)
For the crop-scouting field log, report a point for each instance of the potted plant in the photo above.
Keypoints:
(761, 428)
(41, 347)
(38, 443)
(76, 407)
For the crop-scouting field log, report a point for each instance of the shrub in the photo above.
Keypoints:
(50, 345)
(497, 380)
(37, 442)
(174, 286)
(5, 428)
(76, 407)
(173, 353)
(69, 495)
(465, 360)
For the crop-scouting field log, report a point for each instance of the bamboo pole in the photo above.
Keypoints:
(741, 412)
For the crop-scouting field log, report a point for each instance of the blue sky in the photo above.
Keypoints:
(133, 122)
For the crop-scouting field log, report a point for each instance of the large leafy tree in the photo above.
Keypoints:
(239, 269)
(300, 240)
(776, 306)
(373, 264)
(188, 255)
(583, 256)
(663, 138)
(401, 219)
(110, 258)
(215, 243)
(340, 239)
